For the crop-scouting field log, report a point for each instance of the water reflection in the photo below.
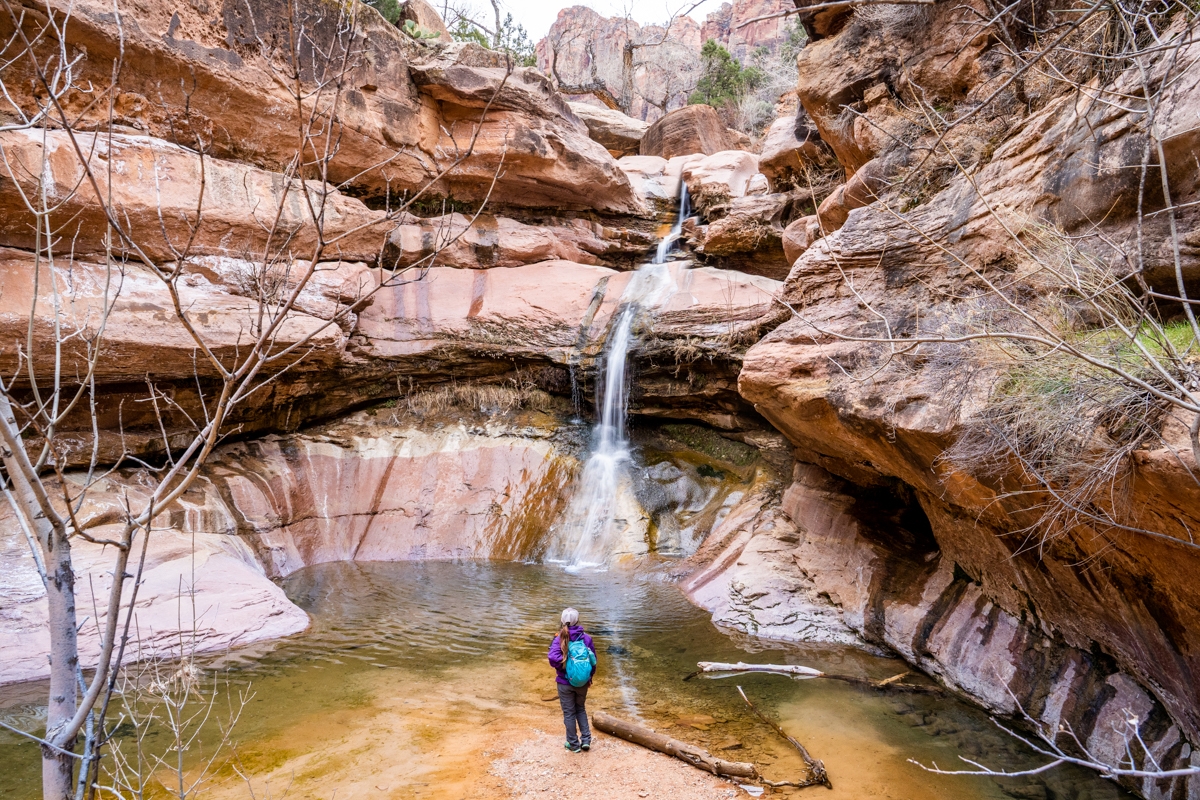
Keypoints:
(411, 670)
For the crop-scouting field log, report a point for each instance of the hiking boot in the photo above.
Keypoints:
(574, 748)
(585, 746)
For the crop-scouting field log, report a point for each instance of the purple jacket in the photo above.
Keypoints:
(558, 659)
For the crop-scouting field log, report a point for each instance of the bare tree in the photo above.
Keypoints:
(65, 348)
(1061, 745)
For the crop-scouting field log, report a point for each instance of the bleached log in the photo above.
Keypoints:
(804, 673)
(781, 669)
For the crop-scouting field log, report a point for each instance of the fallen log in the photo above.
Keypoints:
(697, 757)
(817, 776)
(805, 673)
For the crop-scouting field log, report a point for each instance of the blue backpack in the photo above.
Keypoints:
(580, 661)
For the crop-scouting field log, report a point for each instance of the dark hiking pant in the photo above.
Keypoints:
(572, 699)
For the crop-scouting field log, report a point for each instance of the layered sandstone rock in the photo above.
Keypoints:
(528, 141)
(486, 240)
(834, 562)
(141, 334)
(648, 71)
(207, 587)
(749, 235)
(691, 129)
(738, 28)
(476, 322)
(173, 203)
(201, 80)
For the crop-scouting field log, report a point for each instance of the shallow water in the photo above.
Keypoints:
(413, 674)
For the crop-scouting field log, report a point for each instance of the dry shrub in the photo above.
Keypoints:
(901, 20)
(1069, 426)
(484, 398)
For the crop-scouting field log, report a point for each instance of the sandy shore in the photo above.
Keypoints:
(539, 766)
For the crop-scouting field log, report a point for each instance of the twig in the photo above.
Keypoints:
(816, 768)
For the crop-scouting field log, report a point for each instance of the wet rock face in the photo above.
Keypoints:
(452, 323)
(266, 508)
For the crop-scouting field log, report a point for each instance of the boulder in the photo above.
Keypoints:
(719, 178)
(741, 141)
(427, 18)
(798, 237)
(691, 129)
(656, 179)
(491, 241)
(748, 237)
(791, 144)
(865, 187)
(758, 186)
(621, 134)
(647, 177)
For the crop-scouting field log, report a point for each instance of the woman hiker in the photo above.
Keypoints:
(573, 657)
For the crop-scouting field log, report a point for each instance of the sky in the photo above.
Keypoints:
(538, 15)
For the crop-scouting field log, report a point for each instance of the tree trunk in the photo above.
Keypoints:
(57, 767)
(697, 757)
(627, 78)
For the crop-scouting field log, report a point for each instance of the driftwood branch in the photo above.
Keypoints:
(816, 769)
(797, 672)
(651, 739)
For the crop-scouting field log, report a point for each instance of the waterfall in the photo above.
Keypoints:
(592, 526)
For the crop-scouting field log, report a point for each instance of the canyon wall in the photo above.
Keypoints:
(860, 532)
(1087, 624)
(646, 71)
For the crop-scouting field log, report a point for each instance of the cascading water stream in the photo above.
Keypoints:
(592, 526)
